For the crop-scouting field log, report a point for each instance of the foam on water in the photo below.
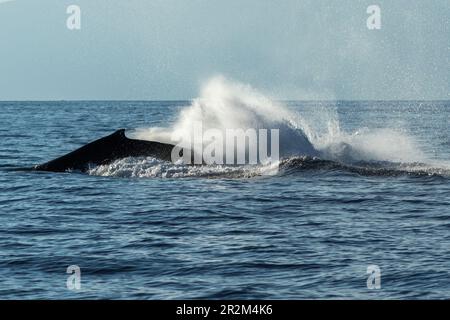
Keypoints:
(155, 168)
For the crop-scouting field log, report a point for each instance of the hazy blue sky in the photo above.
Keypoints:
(164, 49)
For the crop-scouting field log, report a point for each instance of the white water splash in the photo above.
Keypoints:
(155, 168)
(224, 104)
(369, 145)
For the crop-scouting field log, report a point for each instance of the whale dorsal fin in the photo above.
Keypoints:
(119, 133)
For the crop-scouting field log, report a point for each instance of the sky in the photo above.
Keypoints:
(166, 49)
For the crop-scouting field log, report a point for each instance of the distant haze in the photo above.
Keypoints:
(166, 49)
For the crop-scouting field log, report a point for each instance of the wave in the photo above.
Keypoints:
(307, 142)
(364, 168)
(155, 168)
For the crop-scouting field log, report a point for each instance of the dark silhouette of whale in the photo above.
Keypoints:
(106, 150)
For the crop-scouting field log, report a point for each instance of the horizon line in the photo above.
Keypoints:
(190, 99)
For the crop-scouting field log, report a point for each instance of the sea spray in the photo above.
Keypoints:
(226, 105)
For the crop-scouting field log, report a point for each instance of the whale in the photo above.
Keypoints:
(106, 150)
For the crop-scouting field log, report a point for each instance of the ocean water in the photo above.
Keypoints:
(378, 194)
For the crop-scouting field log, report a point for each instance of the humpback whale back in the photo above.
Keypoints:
(106, 150)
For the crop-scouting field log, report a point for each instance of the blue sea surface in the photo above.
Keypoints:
(308, 232)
